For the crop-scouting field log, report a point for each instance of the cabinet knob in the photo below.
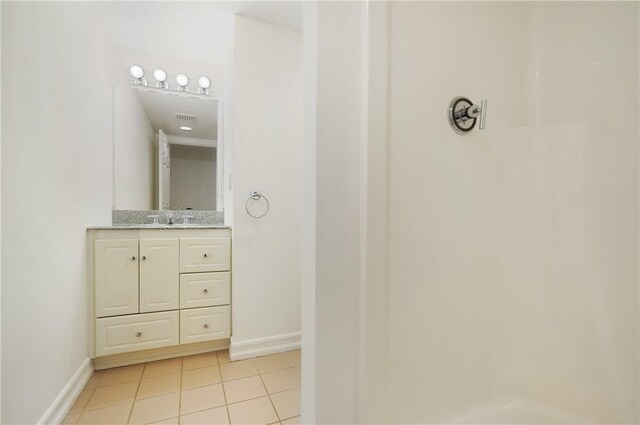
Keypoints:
(205, 255)
(144, 257)
(138, 334)
(206, 325)
(133, 258)
(205, 290)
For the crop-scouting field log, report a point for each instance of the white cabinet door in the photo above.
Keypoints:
(205, 324)
(205, 254)
(205, 289)
(116, 277)
(159, 279)
(138, 332)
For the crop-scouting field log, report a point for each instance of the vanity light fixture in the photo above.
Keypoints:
(204, 84)
(183, 82)
(137, 73)
(161, 77)
(185, 128)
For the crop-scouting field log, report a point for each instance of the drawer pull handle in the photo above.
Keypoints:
(138, 334)
(205, 255)
(133, 258)
(205, 290)
(206, 325)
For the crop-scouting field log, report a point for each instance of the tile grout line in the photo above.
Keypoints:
(84, 408)
(269, 395)
(202, 386)
(99, 379)
(136, 394)
(278, 392)
(180, 388)
(224, 392)
(253, 398)
(93, 390)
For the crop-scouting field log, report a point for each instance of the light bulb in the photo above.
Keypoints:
(160, 75)
(183, 81)
(136, 71)
(204, 82)
(161, 78)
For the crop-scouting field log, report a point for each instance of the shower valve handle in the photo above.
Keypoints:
(464, 114)
(475, 111)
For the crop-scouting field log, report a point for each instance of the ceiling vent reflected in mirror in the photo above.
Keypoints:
(186, 117)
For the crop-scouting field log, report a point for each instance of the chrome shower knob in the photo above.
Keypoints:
(463, 114)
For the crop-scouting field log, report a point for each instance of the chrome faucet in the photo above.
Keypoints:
(169, 216)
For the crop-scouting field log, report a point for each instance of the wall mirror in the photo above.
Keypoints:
(166, 142)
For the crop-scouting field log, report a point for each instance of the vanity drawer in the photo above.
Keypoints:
(205, 289)
(205, 254)
(137, 332)
(205, 324)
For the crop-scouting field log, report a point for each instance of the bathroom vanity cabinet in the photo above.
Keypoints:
(159, 292)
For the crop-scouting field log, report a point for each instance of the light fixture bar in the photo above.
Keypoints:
(160, 75)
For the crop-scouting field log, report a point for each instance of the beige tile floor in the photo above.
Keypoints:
(201, 389)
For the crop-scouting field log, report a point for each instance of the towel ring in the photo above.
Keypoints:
(256, 196)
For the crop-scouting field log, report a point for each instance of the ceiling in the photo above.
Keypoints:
(199, 31)
(162, 107)
(286, 14)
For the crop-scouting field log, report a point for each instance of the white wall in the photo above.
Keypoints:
(374, 237)
(56, 180)
(267, 157)
(0, 216)
(135, 147)
(193, 178)
(338, 135)
(308, 251)
(443, 290)
(513, 252)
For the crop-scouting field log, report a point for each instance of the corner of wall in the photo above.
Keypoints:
(58, 410)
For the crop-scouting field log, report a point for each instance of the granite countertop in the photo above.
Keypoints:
(158, 226)
(135, 220)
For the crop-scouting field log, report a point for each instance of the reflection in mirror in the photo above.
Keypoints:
(165, 148)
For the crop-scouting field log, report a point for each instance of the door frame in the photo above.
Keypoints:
(371, 28)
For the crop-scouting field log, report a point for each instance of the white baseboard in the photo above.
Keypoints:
(247, 349)
(58, 410)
